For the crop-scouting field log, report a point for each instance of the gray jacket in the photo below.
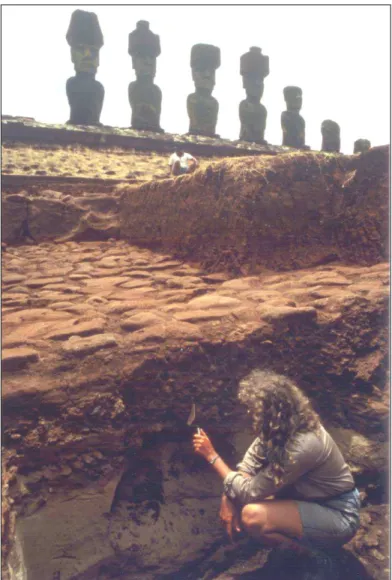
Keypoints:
(317, 470)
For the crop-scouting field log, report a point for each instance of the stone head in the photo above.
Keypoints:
(144, 48)
(205, 59)
(361, 145)
(144, 66)
(293, 98)
(254, 87)
(84, 35)
(330, 129)
(254, 67)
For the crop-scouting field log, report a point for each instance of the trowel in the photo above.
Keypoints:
(192, 417)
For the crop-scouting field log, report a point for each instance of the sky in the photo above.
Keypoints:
(339, 55)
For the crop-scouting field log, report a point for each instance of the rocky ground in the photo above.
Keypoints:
(97, 334)
(106, 344)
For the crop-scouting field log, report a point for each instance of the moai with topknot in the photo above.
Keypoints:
(361, 145)
(201, 105)
(85, 94)
(254, 67)
(144, 96)
(293, 125)
(330, 132)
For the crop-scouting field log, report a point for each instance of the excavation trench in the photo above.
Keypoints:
(106, 346)
(128, 498)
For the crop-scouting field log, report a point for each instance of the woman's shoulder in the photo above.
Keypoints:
(310, 442)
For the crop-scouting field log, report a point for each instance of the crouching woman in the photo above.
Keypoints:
(293, 487)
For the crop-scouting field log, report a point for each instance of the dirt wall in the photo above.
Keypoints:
(291, 211)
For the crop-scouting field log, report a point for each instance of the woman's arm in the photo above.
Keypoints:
(203, 446)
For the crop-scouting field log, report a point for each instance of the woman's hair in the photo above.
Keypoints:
(280, 411)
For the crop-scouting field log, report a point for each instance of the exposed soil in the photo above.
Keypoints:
(107, 341)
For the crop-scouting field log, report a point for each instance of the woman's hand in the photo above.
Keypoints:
(203, 446)
(229, 517)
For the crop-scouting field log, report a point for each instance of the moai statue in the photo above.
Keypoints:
(254, 67)
(202, 107)
(331, 136)
(293, 125)
(85, 94)
(361, 146)
(145, 98)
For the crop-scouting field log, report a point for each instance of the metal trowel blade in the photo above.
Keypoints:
(192, 415)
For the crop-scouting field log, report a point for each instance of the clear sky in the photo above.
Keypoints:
(339, 56)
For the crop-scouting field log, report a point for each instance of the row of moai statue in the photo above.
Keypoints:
(86, 95)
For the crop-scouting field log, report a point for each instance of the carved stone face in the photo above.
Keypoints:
(204, 79)
(144, 66)
(85, 58)
(254, 87)
(294, 102)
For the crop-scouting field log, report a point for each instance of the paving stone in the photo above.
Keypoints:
(96, 300)
(85, 310)
(213, 300)
(163, 266)
(323, 279)
(28, 332)
(18, 358)
(260, 295)
(170, 308)
(187, 271)
(51, 272)
(102, 273)
(138, 274)
(49, 296)
(131, 293)
(17, 290)
(61, 305)
(34, 314)
(106, 283)
(107, 263)
(215, 277)
(12, 278)
(120, 307)
(184, 282)
(383, 266)
(133, 284)
(16, 300)
(67, 289)
(84, 267)
(179, 296)
(140, 320)
(178, 331)
(38, 282)
(85, 328)
(241, 283)
(200, 315)
(79, 276)
(77, 346)
(286, 313)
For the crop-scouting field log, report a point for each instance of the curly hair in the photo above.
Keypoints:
(279, 411)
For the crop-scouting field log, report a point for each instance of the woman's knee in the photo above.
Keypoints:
(253, 516)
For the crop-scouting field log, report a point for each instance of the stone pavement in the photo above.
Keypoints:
(72, 301)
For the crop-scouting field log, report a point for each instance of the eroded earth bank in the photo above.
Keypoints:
(109, 337)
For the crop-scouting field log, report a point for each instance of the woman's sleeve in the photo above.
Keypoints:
(252, 489)
(251, 460)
